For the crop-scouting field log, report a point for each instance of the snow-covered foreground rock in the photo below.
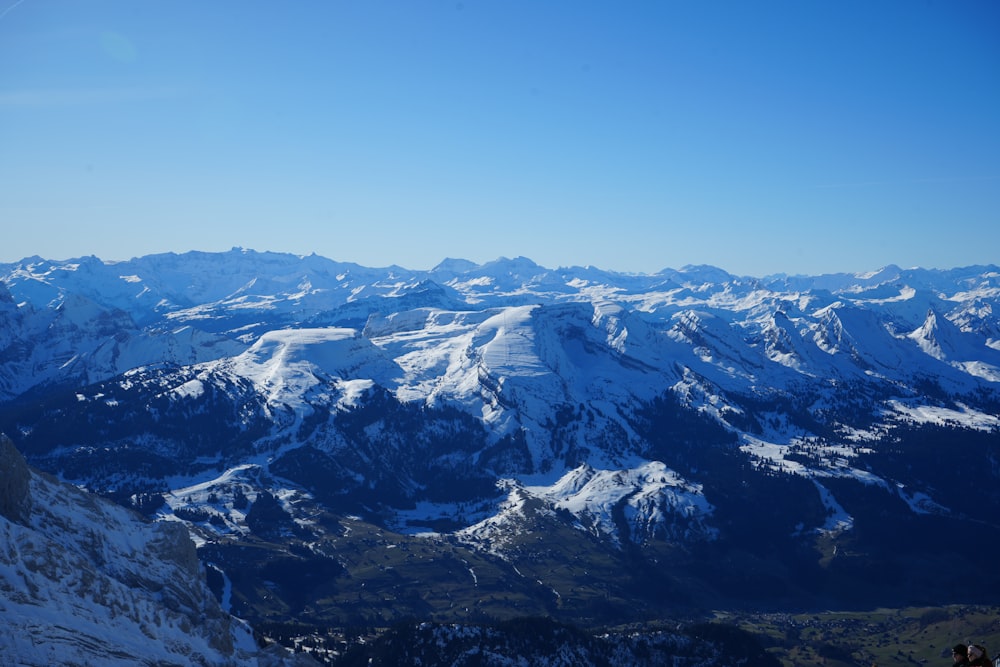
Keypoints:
(86, 582)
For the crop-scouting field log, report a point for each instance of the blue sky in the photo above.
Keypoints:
(761, 137)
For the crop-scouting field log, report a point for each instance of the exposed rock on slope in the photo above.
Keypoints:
(84, 581)
(14, 476)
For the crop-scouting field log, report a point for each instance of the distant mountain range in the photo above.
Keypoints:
(349, 446)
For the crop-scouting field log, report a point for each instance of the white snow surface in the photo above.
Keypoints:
(652, 498)
(931, 414)
(287, 365)
(653, 495)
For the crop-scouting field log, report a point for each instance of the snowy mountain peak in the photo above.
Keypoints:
(288, 364)
(699, 274)
(454, 266)
(926, 336)
(887, 272)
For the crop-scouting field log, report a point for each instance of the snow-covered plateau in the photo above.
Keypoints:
(817, 431)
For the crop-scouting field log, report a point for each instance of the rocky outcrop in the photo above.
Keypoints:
(14, 499)
(84, 581)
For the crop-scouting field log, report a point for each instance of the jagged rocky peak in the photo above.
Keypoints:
(15, 502)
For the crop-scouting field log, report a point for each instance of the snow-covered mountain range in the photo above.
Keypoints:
(685, 416)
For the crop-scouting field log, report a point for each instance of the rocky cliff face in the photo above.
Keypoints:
(14, 476)
(84, 581)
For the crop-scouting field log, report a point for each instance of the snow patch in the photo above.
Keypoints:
(930, 414)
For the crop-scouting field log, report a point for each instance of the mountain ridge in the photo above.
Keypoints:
(785, 429)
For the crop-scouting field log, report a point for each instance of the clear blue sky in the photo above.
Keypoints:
(759, 136)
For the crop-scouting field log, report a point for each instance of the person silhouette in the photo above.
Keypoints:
(978, 656)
